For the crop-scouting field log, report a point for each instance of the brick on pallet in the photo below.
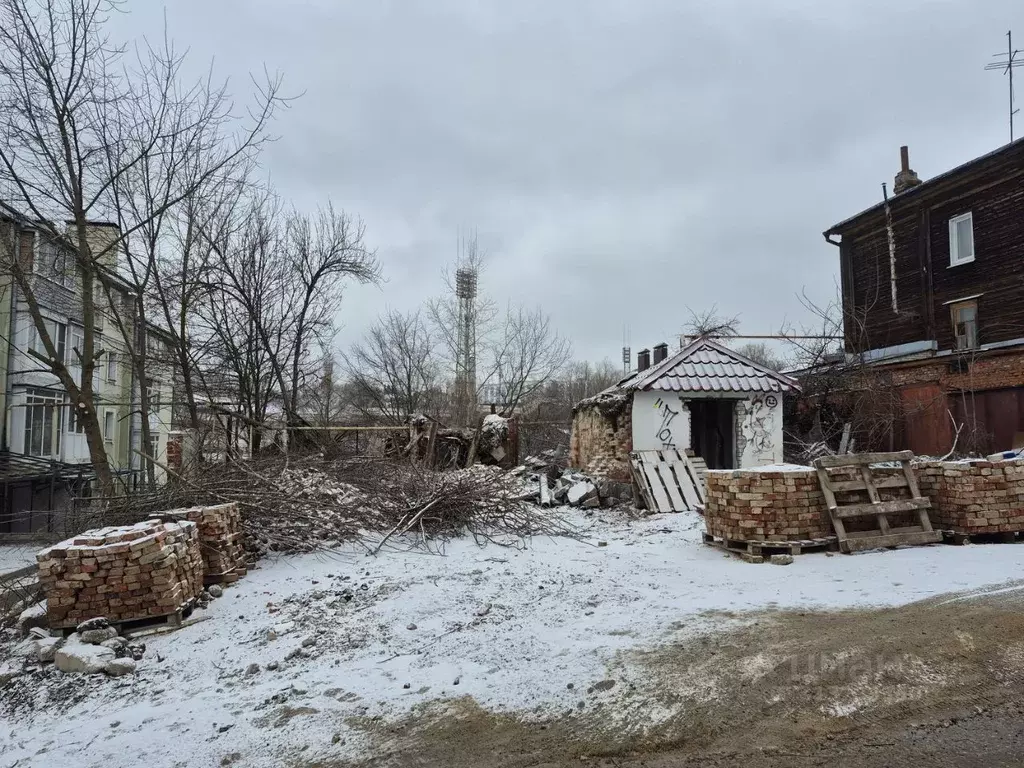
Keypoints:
(158, 573)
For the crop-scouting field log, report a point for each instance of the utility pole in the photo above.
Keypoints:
(1007, 62)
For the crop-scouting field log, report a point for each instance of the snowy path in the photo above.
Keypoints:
(384, 634)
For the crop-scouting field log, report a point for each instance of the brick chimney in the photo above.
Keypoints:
(643, 360)
(906, 178)
(660, 352)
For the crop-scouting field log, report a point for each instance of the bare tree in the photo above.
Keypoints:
(528, 354)
(80, 119)
(762, 354)
(394, 370)
(708, 324)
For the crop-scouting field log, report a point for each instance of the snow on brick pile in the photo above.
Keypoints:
(122, 573)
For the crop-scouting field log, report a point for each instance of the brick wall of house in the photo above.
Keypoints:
(974, 497)
(992, 371)
(602, 436)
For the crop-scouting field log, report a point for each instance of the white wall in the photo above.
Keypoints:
(660, 420)
(761, 427)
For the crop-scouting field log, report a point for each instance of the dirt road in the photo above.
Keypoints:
(936, 683)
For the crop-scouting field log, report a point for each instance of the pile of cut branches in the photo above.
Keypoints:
(291, 505)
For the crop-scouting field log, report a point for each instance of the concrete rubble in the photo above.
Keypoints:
(548, 484)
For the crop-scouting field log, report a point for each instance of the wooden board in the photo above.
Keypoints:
(858, 459)
(666, 480)
(868, 484)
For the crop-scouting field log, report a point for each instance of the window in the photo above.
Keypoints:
(77, 345)
(153, 395)
(75, 424)
(56, 262)
(58, 333)
(112, 367)
(961, 239)
(965, 325)
(42, 422)
(108, 426)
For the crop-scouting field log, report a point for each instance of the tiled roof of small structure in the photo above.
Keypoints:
(706, 366)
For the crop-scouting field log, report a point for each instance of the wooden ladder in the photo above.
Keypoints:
(884, 535)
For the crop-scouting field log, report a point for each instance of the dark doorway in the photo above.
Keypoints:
(711, 432)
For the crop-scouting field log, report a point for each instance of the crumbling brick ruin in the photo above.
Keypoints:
(602, 436)
(122, 573)
(974, 497)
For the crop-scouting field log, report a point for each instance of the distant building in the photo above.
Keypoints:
(941, 311)
(39, 428)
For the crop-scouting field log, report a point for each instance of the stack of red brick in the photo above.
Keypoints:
(753, 505)
(220, 536)
(122, 573)
(975, 496)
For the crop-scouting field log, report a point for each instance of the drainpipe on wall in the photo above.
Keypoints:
(8, 391)
(892, 248)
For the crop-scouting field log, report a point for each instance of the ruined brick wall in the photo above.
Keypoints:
(602, 436)
(974, 497)
(753, 505)
(992, 370)
(122, 573)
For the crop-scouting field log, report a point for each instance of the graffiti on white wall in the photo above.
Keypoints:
(759, 424)
(664, 434)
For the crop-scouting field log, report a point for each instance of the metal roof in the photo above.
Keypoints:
(706, 366)
(926, 185)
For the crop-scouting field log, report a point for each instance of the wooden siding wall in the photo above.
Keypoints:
(924, 279)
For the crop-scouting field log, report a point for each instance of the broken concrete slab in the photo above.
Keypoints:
(76, 656)
(581, 491)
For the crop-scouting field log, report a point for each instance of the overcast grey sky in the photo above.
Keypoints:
(620, 159)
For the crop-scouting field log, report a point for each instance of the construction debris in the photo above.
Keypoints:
(549, 485)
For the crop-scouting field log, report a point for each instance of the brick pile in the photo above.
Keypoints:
(974, 497)
(755, 505)
(220, 536)
(122, 573)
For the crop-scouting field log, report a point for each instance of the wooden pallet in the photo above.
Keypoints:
(700, 467)
(884, 535)
(667, 481)
(960, 538)
(757, 551)
(135, 626)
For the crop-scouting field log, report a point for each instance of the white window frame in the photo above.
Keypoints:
(955, 257)
(111, 365)
(109, 426)
(48, 406)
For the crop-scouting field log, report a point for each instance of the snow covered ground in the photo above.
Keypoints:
(15, 556)
(300, 651)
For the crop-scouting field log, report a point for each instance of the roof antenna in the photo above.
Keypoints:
(1007, 62)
